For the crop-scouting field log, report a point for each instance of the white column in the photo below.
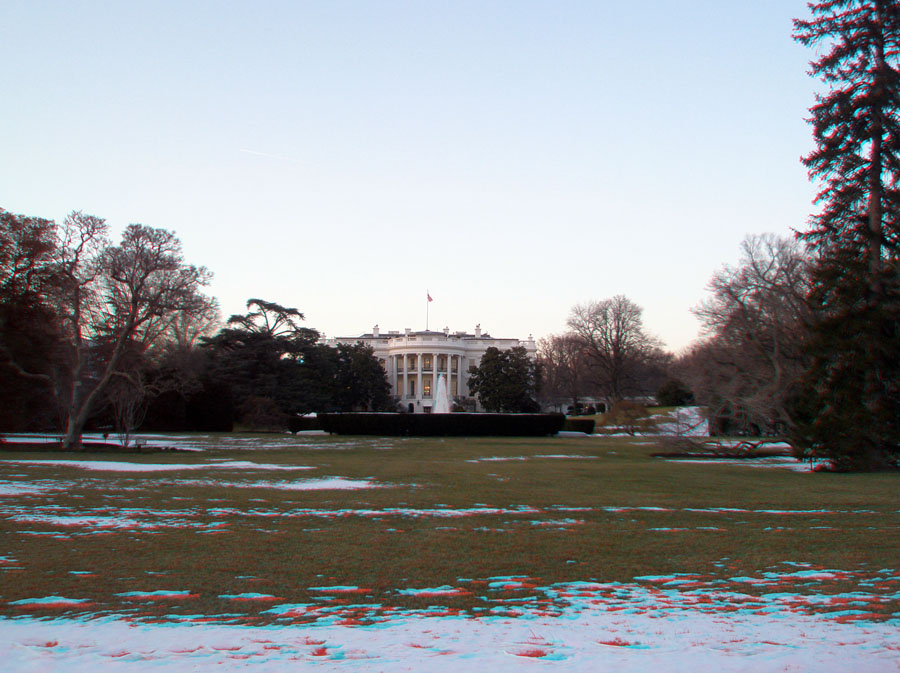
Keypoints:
(419, 359)
(394, 372)
(463, 378)
(450, 377)
(434, 373)
(437, 357)
(405, 376)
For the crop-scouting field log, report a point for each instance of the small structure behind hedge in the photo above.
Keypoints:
(443, 425)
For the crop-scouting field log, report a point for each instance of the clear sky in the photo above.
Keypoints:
(512, 157)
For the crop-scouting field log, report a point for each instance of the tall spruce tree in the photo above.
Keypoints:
(853, 385)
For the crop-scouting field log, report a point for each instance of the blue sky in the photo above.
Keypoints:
(514, 158)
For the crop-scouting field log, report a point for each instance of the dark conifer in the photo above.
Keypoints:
(853, 386)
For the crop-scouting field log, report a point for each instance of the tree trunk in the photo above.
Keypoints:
(80, 410)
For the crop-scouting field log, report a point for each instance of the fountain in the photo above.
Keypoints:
(441, 399)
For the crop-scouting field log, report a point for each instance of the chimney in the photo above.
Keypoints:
(478, 330)
(375, 331)
(446, 331)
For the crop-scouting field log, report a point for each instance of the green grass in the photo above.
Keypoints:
(267, 546)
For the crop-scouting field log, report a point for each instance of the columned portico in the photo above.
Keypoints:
(414, 360)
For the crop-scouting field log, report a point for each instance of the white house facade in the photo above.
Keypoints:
(414, 361)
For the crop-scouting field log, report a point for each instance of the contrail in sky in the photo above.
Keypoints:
(270, 156)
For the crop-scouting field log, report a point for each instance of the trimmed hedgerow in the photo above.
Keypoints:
(447, 425)
(585, 425)
(299, 423)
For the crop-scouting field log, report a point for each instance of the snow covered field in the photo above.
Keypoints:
(790, 615)
(639, 632)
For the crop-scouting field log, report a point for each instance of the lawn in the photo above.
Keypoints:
(280, 531)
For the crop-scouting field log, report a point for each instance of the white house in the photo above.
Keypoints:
(414, 360)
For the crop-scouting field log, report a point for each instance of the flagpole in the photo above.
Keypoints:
(427, 302)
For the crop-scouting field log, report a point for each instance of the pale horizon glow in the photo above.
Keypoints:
(511, 158)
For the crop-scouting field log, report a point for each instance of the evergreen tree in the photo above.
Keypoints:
(853, 398)
(274, 368)
(262, 356)
(506, 381)
(361, 382)
(29, 328)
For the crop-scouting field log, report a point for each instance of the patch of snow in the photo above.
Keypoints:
(160, 594)
(121, 466)
(497, 459)
(683, 422)
(14, 489)
(324, 484)
(782, 462)
(445, 590)
(51, 600)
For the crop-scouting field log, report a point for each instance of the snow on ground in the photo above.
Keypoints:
(493, 459)
(682, 422)
(775, 620)
(121, 466)
(80, 521)
(237, 441)
(14, 489)
(70, 522)
(324, 484)
(783, 462)
(737, 442)
(650, 625)
(320, 484)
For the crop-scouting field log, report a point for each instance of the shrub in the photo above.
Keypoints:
(629, 416)
(673, 393)
(262, 413)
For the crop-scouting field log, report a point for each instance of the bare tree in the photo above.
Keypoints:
(111, 297)
(127, 395)
(564, 369)
(617, 347)
(750, 363)
(184, 330)
(83, 239)
(103, 301)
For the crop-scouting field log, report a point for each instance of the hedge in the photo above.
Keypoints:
(585, 425)
(298, 423)
(442, 425)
